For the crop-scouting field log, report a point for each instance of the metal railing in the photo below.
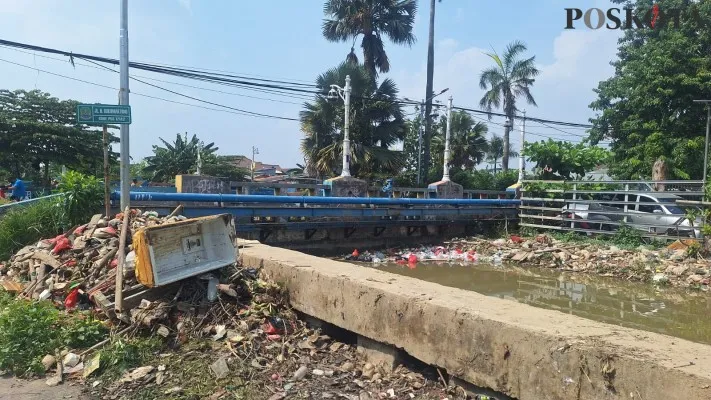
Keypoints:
(13, 206)
(603, 207)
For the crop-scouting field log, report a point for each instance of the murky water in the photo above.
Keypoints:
(635, 305)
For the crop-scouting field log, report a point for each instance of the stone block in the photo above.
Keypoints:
(379, 354)
(447, 190)
(347, 186)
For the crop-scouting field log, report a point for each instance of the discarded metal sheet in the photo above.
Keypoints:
(171, 252)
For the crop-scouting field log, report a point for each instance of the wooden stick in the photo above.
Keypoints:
(178, 210)
(121, 259)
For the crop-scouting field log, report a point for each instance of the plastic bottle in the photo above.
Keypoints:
(497, 258)
(212, 288)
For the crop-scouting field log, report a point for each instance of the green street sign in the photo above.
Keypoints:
(102, 114)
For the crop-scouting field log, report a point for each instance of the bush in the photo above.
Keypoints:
(83, 196)
(22, 226)
(31, 329)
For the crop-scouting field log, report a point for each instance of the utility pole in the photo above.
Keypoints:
(706, 143)
(445, 176)
(520, 154)
(429, 92)
(199, 160)
(254, 163)
(419, 139)
(123, 100)
(334, 93)
(107, 183)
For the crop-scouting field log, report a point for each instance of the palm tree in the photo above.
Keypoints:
(495, 151)
(468, 146)
(508, 79)
(348, 19)
(179, 157)
(377, 123)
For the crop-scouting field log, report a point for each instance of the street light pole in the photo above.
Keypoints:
(123, 100)
(706, 143)
(254, 162)
(445, 176)
(419, 141)
(346, 139)
(520, 155)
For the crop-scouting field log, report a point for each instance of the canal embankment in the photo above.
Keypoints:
(513, 348)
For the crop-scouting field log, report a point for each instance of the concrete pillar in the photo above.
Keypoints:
(347, 186)
(447, 190)
(379, 354)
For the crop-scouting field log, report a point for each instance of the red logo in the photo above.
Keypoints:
(655, 15)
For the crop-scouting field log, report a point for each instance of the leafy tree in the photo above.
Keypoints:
(376, 121)
(223, 167)
(646, 109)
(468, 145)
(563, 160)
(374, 19)
(39, 130)
(495, 151)
(507, 80)
(179, 157)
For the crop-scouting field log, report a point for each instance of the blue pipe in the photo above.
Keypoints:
(235, 198)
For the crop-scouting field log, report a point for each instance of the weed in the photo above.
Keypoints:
(626, 236)
(83, 195)
(121, 355)
(22, 226)
(693, 250)
(80, 332)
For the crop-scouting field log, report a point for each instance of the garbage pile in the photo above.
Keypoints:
(678, 264)
(72, 267)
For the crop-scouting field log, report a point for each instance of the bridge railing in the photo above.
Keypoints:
(603, 207)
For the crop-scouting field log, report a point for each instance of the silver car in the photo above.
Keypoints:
(656, 213)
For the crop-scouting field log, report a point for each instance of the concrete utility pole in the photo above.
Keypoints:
(706, 143)
(123, 100)
(445, 176)
(520, 154)
(199, 160)
(254, 162)
(346, 96)
(419, 141)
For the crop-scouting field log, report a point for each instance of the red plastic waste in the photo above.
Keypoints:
(55, 239)
(355, 253)
(516, 239)
(412, 259)
(113, 263)
(61, 244)
(79, 230)
(72, 299)
(401, 262)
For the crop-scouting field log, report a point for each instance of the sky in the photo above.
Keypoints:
(280, 39)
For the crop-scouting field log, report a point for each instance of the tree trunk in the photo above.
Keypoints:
(659, 173)
(428, 95)
(505, 159)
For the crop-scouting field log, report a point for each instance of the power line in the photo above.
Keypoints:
(235, 111)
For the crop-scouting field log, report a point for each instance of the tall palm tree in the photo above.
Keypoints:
(495, 151)
(374, 19)
(377, 122)
(507, 80)
(468, 146)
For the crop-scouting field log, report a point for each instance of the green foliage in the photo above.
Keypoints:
(376, 123)
(646, 109)
(121, 354)
(28, 331)
(564, 160)
(36, 129)
(467, 144)
(31, 329)
(627, 236)
(508, 79)
(83, 196)
(22, 226)
(375, 20)
(179, 157)
(495, 151)
(223, 167)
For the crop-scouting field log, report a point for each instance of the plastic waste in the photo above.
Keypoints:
(72, 299)
(212, 288)
(497, 260)
(355, 253)
(61, 244)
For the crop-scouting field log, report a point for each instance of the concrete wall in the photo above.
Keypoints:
(524, 352)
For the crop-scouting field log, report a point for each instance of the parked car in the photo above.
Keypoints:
(655, 213)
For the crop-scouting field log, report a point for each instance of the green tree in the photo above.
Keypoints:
(564, 160)
(179, 157)
(507, 80)
(495, 151)
(468, 145)
(223, 167)
(376, 123)
(39, 133)
(374, 19)
(646, 109)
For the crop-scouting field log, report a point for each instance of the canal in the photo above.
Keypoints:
(669, 311)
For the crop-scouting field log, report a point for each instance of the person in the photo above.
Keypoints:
(134, 183)
(18, 190)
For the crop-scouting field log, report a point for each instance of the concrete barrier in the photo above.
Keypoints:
(519, 350)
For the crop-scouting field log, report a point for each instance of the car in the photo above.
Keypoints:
(653, 213)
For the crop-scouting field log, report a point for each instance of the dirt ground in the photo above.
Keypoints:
(16, 389)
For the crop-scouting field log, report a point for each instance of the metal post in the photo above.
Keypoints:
(520, 156)
(419, 141)
(706, 145)
(254, 163)
(346, 140)
(198, 172)
(107, 183)
(627, 198)
(575, 197)
(445, 176)
(123, 100)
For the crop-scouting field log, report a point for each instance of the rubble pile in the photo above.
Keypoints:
(678, 264)
(74, 266)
